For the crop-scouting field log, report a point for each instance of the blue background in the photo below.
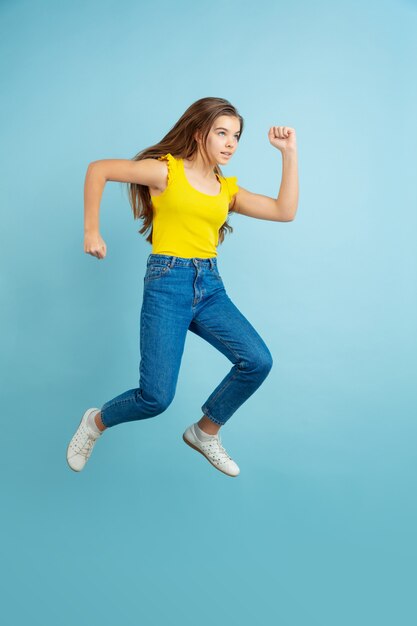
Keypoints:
(319, 528)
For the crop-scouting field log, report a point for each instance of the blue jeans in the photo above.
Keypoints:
(182, 294)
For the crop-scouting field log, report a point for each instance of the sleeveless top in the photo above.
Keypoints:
(186, 221)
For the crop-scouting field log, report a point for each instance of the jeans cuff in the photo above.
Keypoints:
(103, 421)
(208, 414)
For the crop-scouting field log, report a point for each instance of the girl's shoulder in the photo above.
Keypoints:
(231, 184)
(172, 167)
(172, 164)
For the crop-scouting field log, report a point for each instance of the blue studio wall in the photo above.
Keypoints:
(319, 527)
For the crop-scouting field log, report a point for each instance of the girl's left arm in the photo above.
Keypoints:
(284, 207)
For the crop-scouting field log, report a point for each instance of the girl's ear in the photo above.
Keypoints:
(197, 136)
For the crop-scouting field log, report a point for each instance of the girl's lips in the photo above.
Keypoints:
(226, 155)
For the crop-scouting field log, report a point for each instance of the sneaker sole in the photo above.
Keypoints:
(68, 447)
(206, 457)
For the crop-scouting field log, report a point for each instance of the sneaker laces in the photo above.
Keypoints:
(84, 441)
(216, 451)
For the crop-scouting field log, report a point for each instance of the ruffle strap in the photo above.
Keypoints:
(172, 166)
(232, 185)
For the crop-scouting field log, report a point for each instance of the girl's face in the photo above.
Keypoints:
(223, 138)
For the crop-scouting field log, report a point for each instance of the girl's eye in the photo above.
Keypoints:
(222, 133)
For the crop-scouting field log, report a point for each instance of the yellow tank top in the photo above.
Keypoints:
(186, 221)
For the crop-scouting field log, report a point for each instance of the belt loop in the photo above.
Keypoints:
(211, 263)
(172, 262)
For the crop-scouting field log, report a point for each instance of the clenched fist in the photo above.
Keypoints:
(282, 137)
(95, 245)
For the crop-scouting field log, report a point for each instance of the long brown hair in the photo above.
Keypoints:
(180, 142)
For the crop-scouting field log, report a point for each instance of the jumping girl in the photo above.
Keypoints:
(177, 188)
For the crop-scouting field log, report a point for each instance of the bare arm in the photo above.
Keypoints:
(288, 192)
(149, 172)
(281, 209)
(93, 191)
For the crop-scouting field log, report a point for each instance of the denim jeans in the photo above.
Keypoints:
(182, 294)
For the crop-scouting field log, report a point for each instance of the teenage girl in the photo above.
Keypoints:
(177, 188)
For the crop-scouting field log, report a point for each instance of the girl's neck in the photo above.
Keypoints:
(199, 167)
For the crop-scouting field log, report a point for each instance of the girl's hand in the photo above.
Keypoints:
(282, 137)
(95, 245)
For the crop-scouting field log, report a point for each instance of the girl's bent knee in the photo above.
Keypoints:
(264, 364)
(158, 403)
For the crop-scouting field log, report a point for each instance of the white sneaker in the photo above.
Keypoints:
(212, 450)
(81, 445)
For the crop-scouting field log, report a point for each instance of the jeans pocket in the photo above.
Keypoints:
(153, 272)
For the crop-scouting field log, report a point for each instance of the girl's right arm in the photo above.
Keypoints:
(150, 172)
